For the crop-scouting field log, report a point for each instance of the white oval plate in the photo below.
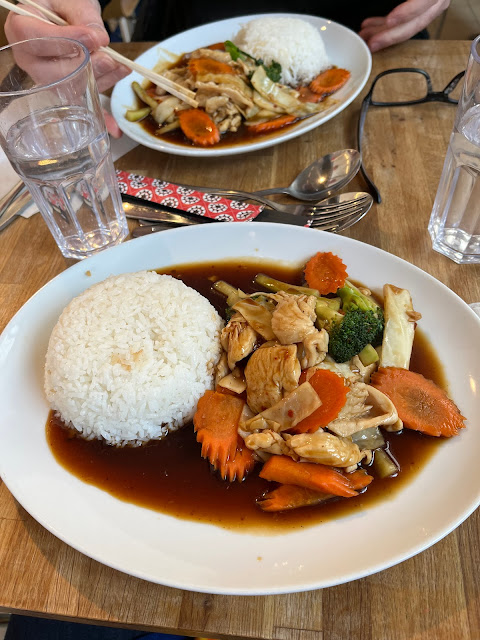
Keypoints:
(202, 557)
(344, 48)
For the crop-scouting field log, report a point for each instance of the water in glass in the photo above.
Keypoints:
(63, 156)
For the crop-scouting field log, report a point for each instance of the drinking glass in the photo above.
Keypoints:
(53, 131)
(454, 225)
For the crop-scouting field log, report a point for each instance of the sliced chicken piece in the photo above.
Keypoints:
(315, 347)
(267, 441)
(165, 109)
(238, 95)
(234, 381)
(271, 372)
(221, 368)
(293, 318)
(365, 407)
(342, 369)
(364, 371)
(238, 339)
(215, 54)
(325, 448)
(288, 412)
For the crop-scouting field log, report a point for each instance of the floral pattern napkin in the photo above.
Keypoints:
(172, 195)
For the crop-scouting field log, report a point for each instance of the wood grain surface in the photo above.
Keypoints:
(433, 596)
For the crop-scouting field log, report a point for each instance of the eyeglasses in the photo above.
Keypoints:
(414, 88)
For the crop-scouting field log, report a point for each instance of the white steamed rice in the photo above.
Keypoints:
(130, 357)
(296, 44)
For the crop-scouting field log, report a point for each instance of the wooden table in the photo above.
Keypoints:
(435, 595)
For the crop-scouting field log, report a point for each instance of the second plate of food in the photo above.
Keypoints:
(344, 49)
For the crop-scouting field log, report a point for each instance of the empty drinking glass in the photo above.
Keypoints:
(455, 221)
(53, 132)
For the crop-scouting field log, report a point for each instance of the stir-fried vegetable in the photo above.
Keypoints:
(306, 396)
(232, 89)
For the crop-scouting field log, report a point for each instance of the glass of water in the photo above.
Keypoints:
(53, 132)
(455, 221)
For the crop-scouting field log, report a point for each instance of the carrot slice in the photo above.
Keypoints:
(307, 474)
(289, 496)
(218, 46)
(329, 81)
(420, 403)
(306, 95)
(359, 479)
(326, 272)
(238, 467)
(332, 391)
(271, 125)
(215, 423)
(199, 127)
(202, 66)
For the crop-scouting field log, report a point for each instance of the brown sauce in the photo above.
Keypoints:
(170, 476)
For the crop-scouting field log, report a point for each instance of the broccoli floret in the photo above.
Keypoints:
(360, 324)
(356, 329)
(353, 298)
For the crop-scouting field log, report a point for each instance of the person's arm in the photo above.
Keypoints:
(86, 25)
(401, 23)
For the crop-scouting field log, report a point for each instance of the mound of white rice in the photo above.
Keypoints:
(130, 357)
(294, 43)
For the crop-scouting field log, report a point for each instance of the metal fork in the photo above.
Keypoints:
(295, 209)
(335, 221)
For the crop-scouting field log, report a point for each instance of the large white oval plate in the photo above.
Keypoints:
(203, 557)
(344, 48)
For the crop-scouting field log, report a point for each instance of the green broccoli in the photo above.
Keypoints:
(361, 323)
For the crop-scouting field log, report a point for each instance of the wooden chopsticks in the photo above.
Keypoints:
(51, 18)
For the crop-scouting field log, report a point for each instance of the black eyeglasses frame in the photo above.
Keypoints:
(430, 96)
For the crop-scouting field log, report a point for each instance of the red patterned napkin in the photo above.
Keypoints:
(204, 204)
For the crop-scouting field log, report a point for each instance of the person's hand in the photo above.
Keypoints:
(85, 24)
(401, 23)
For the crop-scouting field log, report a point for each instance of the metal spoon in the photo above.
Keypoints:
(322, 177)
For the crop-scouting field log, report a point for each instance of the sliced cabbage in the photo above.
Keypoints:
(398, 334)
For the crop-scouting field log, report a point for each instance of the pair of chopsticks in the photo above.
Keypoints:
(51, 18)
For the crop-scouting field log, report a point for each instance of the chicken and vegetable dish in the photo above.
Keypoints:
(309, 380)
(235, 93)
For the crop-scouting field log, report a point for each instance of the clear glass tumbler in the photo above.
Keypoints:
(53, 132)
(455, 221)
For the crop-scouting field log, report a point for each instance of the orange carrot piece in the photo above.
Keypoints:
(359, 479)
(306, 95)
(421, 404)
(199, 127)
(238, 467)
(215, 423)
(326, 272)
(307, 474)
(271, 125)
(218, 46)
(202, 66)
(332, 392)
(329, 81)
(289, 496)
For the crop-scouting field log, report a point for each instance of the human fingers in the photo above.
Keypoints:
(107, 72)
(112, 126)
(409, 11)
(373, 21)
(405, 24)
(85, 25)
(367, 33)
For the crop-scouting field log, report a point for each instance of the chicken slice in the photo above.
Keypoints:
(271, 372)
(267, 442)
(221, 368)
(365, 407)
(293, 318)
(315, 347)
(238, 339)
(325, 448)
(288, 412)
